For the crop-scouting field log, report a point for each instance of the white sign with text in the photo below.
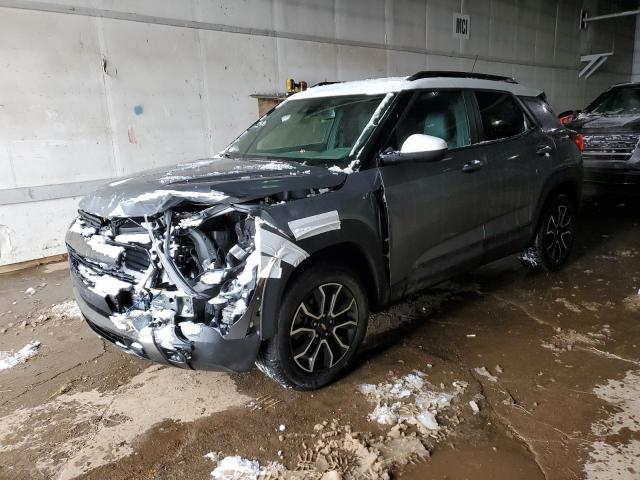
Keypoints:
(461, 24)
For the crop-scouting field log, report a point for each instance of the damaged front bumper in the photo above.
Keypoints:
(186, 345)
(133, 294)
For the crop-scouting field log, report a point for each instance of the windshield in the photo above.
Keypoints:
(617, 101)
(312, 130)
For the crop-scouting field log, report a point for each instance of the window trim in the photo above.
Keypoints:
(532, 125)
(536, 120)
(413, 95)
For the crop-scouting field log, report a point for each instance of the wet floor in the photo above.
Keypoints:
(551, 363)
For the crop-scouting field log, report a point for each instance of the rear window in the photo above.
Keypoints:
(501, 115)
(543, 113)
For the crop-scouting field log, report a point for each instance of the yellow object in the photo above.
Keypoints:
(293, 87)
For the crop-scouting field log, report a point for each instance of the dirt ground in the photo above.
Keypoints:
(543, 373)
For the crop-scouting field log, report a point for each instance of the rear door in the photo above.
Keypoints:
(564, 152)
(434, 208)
(512, 145)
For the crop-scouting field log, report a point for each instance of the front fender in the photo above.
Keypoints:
(346, 218)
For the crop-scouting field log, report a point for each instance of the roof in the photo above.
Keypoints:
(423, 80)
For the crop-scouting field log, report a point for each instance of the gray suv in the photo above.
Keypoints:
(343, 198)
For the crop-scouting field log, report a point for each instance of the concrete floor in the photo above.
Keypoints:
(559, 398)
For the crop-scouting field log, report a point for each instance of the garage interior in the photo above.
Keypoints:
(541, 370)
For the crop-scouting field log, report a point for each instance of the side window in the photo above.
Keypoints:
(501, 115)
(439, 113)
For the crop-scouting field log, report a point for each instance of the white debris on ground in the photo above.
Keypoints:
(30, 291)
(64, 310)
(612, 457)
(51, 316)
(10, 359)
(632, 302)
(474, 407)
(338, 453)
(238, 468)
(567, 340)
(410, 405)
(572, 307)
(409, 400)
(483, 372)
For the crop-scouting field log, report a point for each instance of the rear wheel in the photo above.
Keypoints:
(554, 237)
(322, 322)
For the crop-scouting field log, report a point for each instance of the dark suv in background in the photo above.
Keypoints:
(342, 199)
(610, 128)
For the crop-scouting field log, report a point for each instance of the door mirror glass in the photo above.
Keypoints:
(418, 147)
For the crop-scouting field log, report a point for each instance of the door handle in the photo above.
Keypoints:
(544, 149)
(472, 166)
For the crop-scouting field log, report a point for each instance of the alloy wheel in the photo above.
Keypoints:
(559, 233)
(324, 327)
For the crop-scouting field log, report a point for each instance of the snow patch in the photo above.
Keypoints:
(190, 328)
(613, 458)
(9, 359)
(68, 309)
(238, 468)
(80, 227)
(274, 166)
(141, 238)
(102, 284)
(213, 278)
(98, 244)
(632, 303)
(483, 372)
(409, 400)
(338, 169)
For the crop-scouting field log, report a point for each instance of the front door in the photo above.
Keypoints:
(435, 208)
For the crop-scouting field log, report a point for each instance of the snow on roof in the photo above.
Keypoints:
(380, 86)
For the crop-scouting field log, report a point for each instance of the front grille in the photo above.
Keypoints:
(99, 268)
(610, 147)
(90, 219)
(136, 258)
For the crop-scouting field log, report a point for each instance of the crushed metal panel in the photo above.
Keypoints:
(314, 225)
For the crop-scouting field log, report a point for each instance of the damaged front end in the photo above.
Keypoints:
(183, 287)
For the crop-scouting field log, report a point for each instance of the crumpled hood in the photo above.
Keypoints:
(209, 182)
(606, 124)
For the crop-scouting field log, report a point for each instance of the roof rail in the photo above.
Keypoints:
(322, 84)
(444, 73)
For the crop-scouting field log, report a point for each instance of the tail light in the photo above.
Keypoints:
(578, 139)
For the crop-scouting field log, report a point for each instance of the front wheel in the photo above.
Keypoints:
(554, 238)
(323, 319)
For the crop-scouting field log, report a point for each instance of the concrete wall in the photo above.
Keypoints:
(96, 90)
(635, 69)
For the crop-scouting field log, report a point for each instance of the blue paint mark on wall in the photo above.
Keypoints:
(138, 109)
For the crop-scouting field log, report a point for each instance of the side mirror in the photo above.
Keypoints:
(418, 148)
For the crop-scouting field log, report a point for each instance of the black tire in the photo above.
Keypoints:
(311, 334)
(554, 237)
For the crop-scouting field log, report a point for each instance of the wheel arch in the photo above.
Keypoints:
(565, 182)
(348, 253)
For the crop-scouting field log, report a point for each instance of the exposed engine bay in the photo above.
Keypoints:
(182, 274)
